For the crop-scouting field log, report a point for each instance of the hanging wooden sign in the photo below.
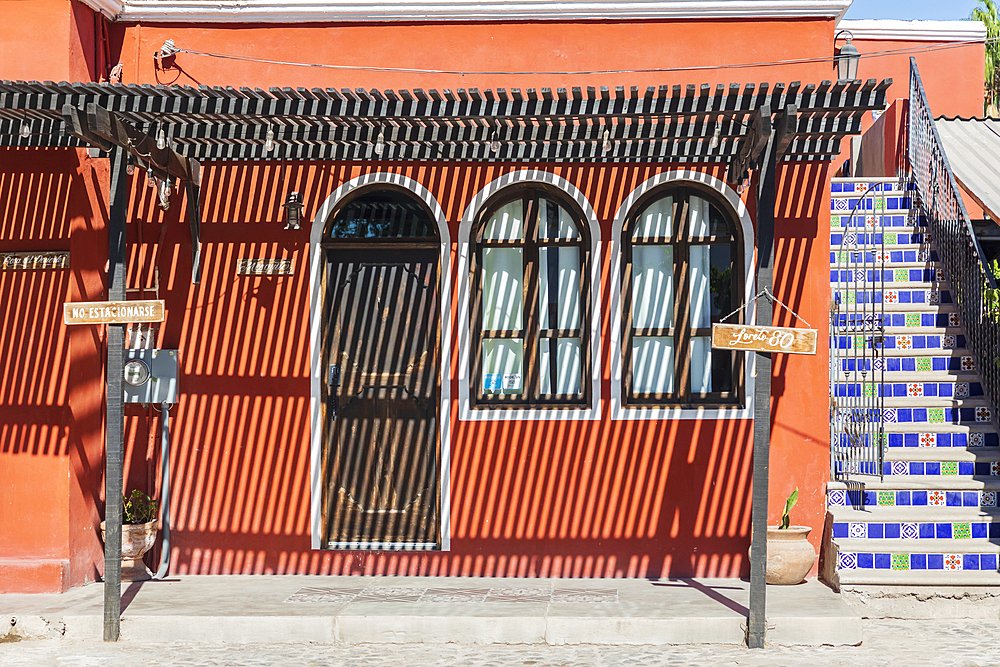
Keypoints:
(113, 312)
(23, 261)
(763, 339)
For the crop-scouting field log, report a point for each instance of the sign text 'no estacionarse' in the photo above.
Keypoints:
(113, 312)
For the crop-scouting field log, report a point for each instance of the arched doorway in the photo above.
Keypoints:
(381, 452)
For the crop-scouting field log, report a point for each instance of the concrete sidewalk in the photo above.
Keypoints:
(353, 610)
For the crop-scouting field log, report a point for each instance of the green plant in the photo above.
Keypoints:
(987, 13)
(790, 501)
(137, 507)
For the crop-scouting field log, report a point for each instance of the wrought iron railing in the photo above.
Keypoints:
(857, 333)
(970, 279)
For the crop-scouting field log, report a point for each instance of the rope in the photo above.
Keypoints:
(773, 299)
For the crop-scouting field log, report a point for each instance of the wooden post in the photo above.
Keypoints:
(115, 426)
(757, 624)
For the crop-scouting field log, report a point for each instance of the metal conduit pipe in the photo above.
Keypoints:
(161, 572)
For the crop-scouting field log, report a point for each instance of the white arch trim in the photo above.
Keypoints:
(465, 411)
(737, 207)
(317, 265)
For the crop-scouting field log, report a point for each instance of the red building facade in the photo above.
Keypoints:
(596, 482)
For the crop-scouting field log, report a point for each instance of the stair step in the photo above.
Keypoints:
(894, 390)
(978, 413)
(922, 492)
(919, 577)
(909, 253)
(985, 428)
(891, 276)
(914, 514)
(917, 298)
(917, 402)
(930, 546)
(947, 377)
(870, 237)
(955, 454)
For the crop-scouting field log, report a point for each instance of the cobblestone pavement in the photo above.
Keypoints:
(936, 643)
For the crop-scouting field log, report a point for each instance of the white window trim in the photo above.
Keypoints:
(316, 316)
(508, 413)
(619, 411)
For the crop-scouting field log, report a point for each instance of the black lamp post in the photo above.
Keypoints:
(847, 58)
(293, 210)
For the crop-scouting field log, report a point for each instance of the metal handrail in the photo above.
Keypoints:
(857, 433)
(959, 252)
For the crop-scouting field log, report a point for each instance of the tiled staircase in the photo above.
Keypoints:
(933, 518)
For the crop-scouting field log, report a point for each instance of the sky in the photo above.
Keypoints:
(942, 10)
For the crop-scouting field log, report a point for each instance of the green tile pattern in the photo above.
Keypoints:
(901, 561)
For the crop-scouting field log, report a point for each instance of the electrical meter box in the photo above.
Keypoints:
(150, 376)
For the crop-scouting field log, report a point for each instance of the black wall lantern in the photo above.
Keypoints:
(847, 58)
(293, 210)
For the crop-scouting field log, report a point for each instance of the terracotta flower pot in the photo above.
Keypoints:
(789, 554)
(137, 539)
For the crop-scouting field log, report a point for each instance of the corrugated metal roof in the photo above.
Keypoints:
(973, 149)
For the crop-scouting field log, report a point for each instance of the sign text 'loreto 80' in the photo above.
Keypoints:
(113, 312)
(763, 339)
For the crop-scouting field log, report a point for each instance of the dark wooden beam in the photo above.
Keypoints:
(193, 191)
(110, 127)
(785, 129)
(751, 145)
(756, 622)
(115, 423)
(76, 125)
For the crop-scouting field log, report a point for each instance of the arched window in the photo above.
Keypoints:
(681, 271)
(530, 301)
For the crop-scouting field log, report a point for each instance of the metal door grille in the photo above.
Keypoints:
(857, 435)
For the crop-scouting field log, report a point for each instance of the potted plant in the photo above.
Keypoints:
(789, 554)
(138, 534)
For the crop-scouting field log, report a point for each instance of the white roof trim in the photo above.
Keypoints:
(923, 31)
(110, 8)
(298, 11)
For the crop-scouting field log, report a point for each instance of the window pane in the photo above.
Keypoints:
(382, 214)
(699, 217)
(701, 365)
(701, 301)
(554, 222)
(503, 366)
(711, 370)
(656, 220)
(720, 225)
(653, 365)
(559, 266)
(568, 366)
(503, 275)
(652, 286)
(721, 281)
(507, 224)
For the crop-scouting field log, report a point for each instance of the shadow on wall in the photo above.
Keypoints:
(51, 383)
(569, 499)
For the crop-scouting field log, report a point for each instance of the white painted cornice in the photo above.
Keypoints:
(110, 8)
(921, 31)
(301, 11)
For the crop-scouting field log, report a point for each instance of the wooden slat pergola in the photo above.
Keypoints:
(745, 127)
(664, 124)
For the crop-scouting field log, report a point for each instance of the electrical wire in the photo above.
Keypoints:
(648, 70)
